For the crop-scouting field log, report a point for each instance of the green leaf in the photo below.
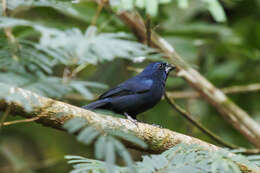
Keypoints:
(140, 3)
(152, 7)
(82, 90)
(100, 147)
(183, 4)
(216, 10)
(110, 155)
(75, 124)
(123, 152)
(127, 4)
(88, 135)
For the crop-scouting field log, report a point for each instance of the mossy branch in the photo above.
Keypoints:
(54, 114)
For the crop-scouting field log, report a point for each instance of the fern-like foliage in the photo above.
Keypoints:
(59, 5)
(90, 47)
(30, 61)
(31, 67)
(151, 7)
(107, 144)
(85, 165)
(182, 158)
(255, 159)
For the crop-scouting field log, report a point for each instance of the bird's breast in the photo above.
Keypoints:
(155, 94)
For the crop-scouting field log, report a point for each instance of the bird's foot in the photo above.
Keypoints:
(131, 119)
(156, 125)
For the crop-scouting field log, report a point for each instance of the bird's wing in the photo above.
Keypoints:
(129, 87)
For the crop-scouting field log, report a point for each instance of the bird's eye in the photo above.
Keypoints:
(160, 66)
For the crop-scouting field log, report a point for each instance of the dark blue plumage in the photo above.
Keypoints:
(137, 94)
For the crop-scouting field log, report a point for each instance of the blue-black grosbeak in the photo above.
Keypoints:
(136, 94)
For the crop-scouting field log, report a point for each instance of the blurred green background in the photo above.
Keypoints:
(226, 53)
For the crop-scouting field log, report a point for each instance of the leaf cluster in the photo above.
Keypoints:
(182, 158)
(46, 60)
(151, 7)
(106, 142)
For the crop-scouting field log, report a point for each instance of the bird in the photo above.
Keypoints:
(137, 94)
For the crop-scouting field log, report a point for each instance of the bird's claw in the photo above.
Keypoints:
(156, 125)
(131, 119)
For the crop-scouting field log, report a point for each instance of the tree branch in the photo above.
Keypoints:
(48, 112)
(54, 114)
(20, 121)
(237, 117)
(227, 90)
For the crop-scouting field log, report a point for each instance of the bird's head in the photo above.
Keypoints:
(160, 69)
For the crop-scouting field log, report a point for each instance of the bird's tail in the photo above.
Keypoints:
(99, 104)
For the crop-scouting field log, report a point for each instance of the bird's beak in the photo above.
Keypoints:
(169, 68)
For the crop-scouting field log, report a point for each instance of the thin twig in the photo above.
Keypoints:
(8, 32)
(20, 121)
(227, 90)
(148, 30)
(99, 9)
(213, 136)
(190, 118)
(78, 69)
(6, 113)
(69, 74)
(4, 8)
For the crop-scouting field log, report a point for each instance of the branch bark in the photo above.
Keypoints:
(54, 114)
(237, 117)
